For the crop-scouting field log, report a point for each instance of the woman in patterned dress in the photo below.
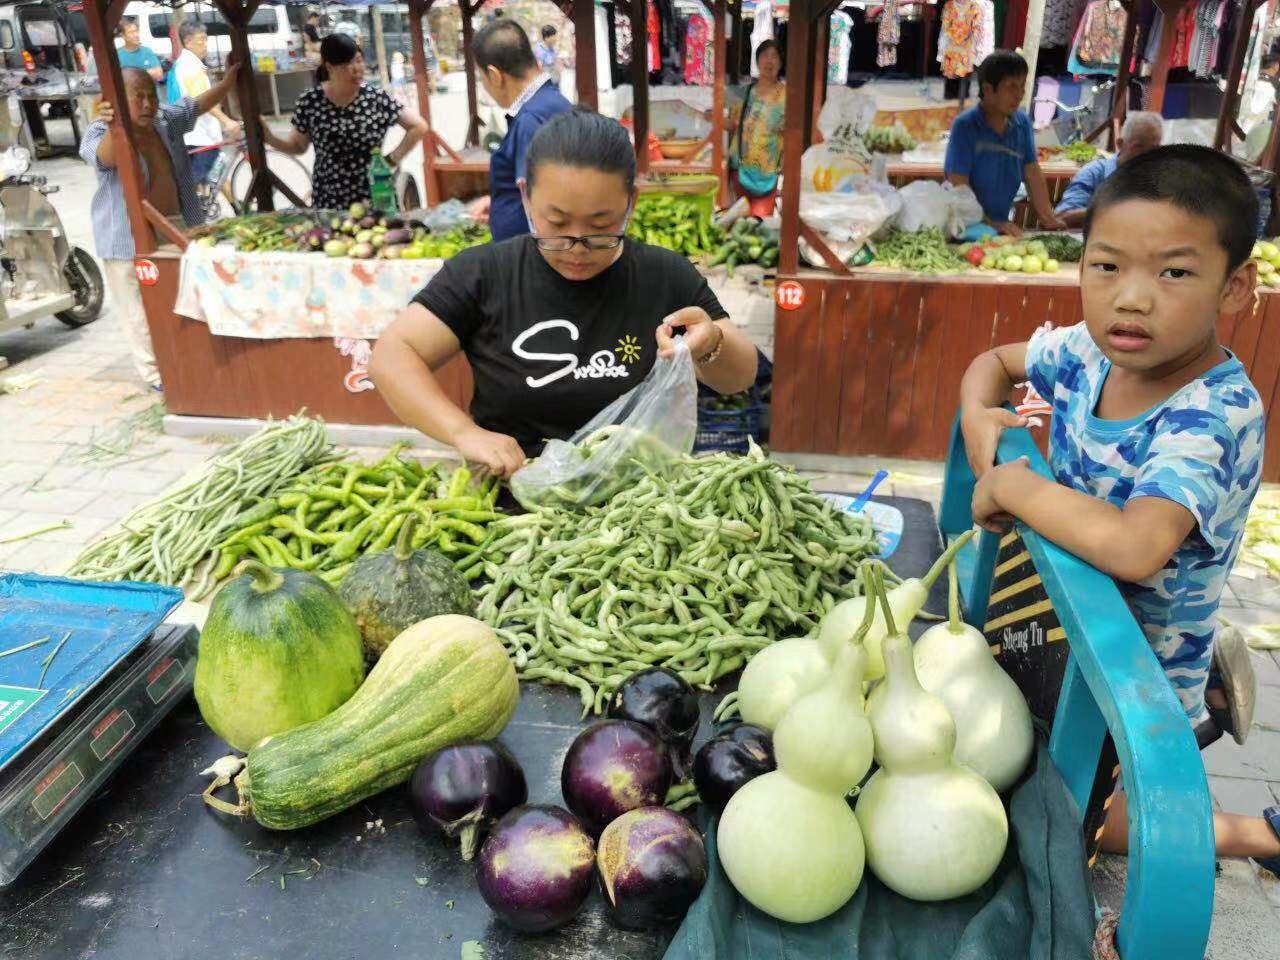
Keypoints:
(345, 120)
(756, 119)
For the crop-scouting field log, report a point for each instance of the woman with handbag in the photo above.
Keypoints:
(757, 118)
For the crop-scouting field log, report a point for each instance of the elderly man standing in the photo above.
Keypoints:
(1142, 132)
(190, 78)
(170, 188)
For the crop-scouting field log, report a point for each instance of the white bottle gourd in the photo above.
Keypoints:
(934, 829)
(994, 735)
(788, 841)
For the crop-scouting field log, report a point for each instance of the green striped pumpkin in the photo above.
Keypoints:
(440, 682)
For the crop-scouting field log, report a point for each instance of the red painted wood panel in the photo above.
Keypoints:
(904, 344)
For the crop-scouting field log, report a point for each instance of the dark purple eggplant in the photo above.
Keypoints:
(534, 871)
(614, 766)
(729, 760)
(464, 789)
(652, 866)
(665, 703)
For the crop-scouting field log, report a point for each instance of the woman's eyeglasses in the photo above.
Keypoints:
(594, 241)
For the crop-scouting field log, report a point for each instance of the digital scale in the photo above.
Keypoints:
(97, 668)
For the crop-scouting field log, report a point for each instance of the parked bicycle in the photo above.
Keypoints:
(226, 191)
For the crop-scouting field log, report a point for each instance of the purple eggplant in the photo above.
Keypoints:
(665, 703)
(729, 760)
(652, 866)
(535, 869)
(464, 789)
(614, 766)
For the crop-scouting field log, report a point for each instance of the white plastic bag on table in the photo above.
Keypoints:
(924, 206)
(844, 118)
(965, 209)
(846, 219)
(645, 428)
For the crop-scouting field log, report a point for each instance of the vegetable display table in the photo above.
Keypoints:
(871, 363)
(146, 870)
(246, 375)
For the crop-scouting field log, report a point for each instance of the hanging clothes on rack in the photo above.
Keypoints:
(1206, 37)
(961, 37)
(654, 30)
(987, 38)
(622, 33)
(761, 31)
(1059, 23)
(697, 55)
(888, 35)
(1098, 41)
(839, 48)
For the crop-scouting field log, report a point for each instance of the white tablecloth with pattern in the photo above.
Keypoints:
(275, 295)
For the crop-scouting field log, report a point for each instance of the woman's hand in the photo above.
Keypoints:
(701, 334)
(106, 113)
(497, 453)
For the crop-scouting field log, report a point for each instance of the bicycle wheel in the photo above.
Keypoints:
(288, 168)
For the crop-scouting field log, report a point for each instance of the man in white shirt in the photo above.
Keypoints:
(189, 78)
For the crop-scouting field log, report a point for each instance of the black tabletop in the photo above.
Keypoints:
(147, 872)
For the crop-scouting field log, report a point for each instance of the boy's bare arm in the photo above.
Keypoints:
(983, 391)
(1129, 543)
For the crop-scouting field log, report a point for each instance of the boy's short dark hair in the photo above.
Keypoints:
(505, 45)
(999, 66)
(1196, 180)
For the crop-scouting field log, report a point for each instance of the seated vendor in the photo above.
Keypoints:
(992, 148)
(560, 322)
(1141, 133)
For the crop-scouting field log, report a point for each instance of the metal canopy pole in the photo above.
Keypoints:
(101, 27)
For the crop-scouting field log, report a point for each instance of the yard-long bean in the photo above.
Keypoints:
(695, 568)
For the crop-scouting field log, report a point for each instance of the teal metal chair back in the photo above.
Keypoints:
(1114, 685)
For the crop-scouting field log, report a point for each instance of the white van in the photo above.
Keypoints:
(270, 33)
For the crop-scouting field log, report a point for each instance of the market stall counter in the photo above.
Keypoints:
(147, 869)
(278, 332)
(870, 363)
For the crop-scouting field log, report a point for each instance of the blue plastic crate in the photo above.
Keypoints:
(727, 431)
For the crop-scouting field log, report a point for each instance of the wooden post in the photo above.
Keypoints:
(121, 131)
(584, 48)
(719, 54)
(735, 42)
(817, 93)
(1160, 70)
(380, 44)
(926, 15)
(1128, 48)
(1235, 71)
(640, 83)
(469, 66)
(1031, 47)
(797, 120)
(237, 17)
(417, 13)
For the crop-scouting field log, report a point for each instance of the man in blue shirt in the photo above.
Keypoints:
(992, 148)
(1142, 132)
(134, 55)
(510, 74)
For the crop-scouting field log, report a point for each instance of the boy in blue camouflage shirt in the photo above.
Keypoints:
(1157, 433)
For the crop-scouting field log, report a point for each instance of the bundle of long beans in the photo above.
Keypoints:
(171, 540)
(694, 569)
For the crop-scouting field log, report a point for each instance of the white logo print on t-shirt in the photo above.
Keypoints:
(601, 364)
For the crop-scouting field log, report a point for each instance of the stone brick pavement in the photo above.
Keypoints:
(88, 387)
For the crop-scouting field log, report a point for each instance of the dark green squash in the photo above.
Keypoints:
(278, 650)
(391, 590)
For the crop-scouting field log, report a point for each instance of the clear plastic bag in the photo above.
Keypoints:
(644, 429)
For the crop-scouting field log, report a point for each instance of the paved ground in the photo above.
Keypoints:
(87, 389)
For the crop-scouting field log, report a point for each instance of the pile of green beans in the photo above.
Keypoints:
(327, 518)
(171, 539)
(924, 252)
(694, 569)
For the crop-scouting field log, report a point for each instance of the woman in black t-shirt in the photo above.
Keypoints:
(558, 324)
(345, 119)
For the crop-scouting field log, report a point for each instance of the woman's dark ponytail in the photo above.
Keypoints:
(336, 50)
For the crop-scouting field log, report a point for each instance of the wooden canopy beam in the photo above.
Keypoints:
(799, 47)
(237, 17)
(114, 11)
(735, 41)
(128, 165)
(720, 46)
(640, 84)
(417, 37)
(584, 46)
(1128, 50)
(469, 67)
(1230, 106)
